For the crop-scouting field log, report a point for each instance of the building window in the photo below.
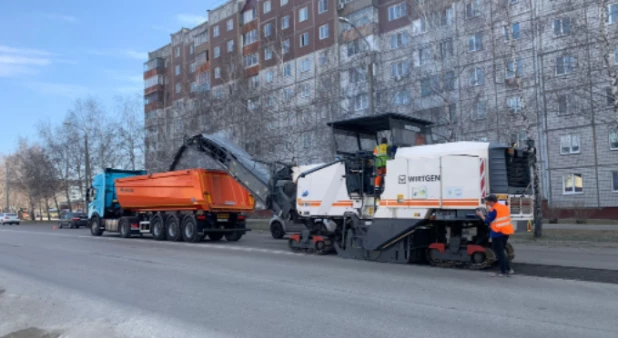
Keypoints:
(230, 46)
(401, 98)
(269, 76)
(430, 85)
(397, 11)
(449, 81)
(477, 76)
(303, 14)
(323, 58)
(566, 104)
(193, 87)
(285, 22)
(475, 42)
(287, 70)
(322, 6)
(305, 65)
(419, 26)
(562, 26)
(248, 16)
(266, 7)
(612, 13)
(572, 184)
(565, 65)
(357, 74)
(217, 52)
(473, 8)
(177, 53)
(399, 69)
(304, 39)
(285, 46)
(191, 49)
(613, 139)
(251, 60)
(252, 104)
(193, 67)
(355, 47)
(569, 144)
(446, 49)
(514, 104)
(230, 24)
(323, 31)
(288, 94)
(250, 37)
(423, 55)
(614, 181)
(510, 69)
(270, 101)
(513, 33)
(217, 73)
(268, 28)
(361, 102)
(177, 70)
(616, 55)
(480, 109)
(178, 88)
(215, 31)
(305, 91)
(399, 40)
(268, 53)
(283, 2)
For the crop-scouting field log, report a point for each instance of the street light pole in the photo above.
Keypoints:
(369, 66)
(6, 190)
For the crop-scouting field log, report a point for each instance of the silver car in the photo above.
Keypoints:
(9, 218)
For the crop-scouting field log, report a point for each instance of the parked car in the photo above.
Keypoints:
(73, 220)
(9, 218)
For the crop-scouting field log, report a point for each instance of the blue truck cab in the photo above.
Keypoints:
(102, 199)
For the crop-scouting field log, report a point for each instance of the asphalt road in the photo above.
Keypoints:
(66, 283)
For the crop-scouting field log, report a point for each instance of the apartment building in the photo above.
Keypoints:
(270, 74)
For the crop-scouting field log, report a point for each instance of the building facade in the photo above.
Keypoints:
(270, 74)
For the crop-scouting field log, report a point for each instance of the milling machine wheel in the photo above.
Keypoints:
(292, 245)
(430, 259)
(323, 247)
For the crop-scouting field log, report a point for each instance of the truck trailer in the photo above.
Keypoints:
(177, 205)
(425, 210)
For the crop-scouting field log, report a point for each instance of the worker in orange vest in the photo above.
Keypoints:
(382, 154)
(500, 228)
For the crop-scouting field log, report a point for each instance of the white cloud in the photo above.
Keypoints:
(127, 53)
(16, 62)
(60, 17)
(60, 89)
(190, 19)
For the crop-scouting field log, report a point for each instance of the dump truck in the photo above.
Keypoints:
(177, 205)
(425, 211)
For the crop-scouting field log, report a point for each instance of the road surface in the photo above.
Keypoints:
(68, 284)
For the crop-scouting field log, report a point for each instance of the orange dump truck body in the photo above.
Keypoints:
(193, 189)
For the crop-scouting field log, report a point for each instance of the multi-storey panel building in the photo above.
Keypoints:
(270, 74)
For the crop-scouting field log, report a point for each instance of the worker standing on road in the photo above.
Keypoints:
(381, 153)
(500, 228)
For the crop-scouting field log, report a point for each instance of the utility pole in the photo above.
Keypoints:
(6, 190)
(369, 66)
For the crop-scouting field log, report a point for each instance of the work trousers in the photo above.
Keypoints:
(498, 244)
(378, 179)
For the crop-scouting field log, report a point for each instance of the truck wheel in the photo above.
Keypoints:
(125, 227)
(215, 236)
(172, 225)
(276, 230)
(233, 236)
(189, 230)
(158, 228)
(95, 226)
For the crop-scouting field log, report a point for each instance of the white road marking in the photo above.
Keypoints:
(197, 245)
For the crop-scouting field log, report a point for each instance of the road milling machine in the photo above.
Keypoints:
(425, 210)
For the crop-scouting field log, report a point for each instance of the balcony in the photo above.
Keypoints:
(153, 101)
(153, 67)
(153, 84)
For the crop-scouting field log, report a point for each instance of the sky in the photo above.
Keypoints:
(53, 52)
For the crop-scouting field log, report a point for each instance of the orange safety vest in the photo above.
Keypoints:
(502, 224)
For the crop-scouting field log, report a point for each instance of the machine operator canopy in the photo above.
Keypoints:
(363, 133)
